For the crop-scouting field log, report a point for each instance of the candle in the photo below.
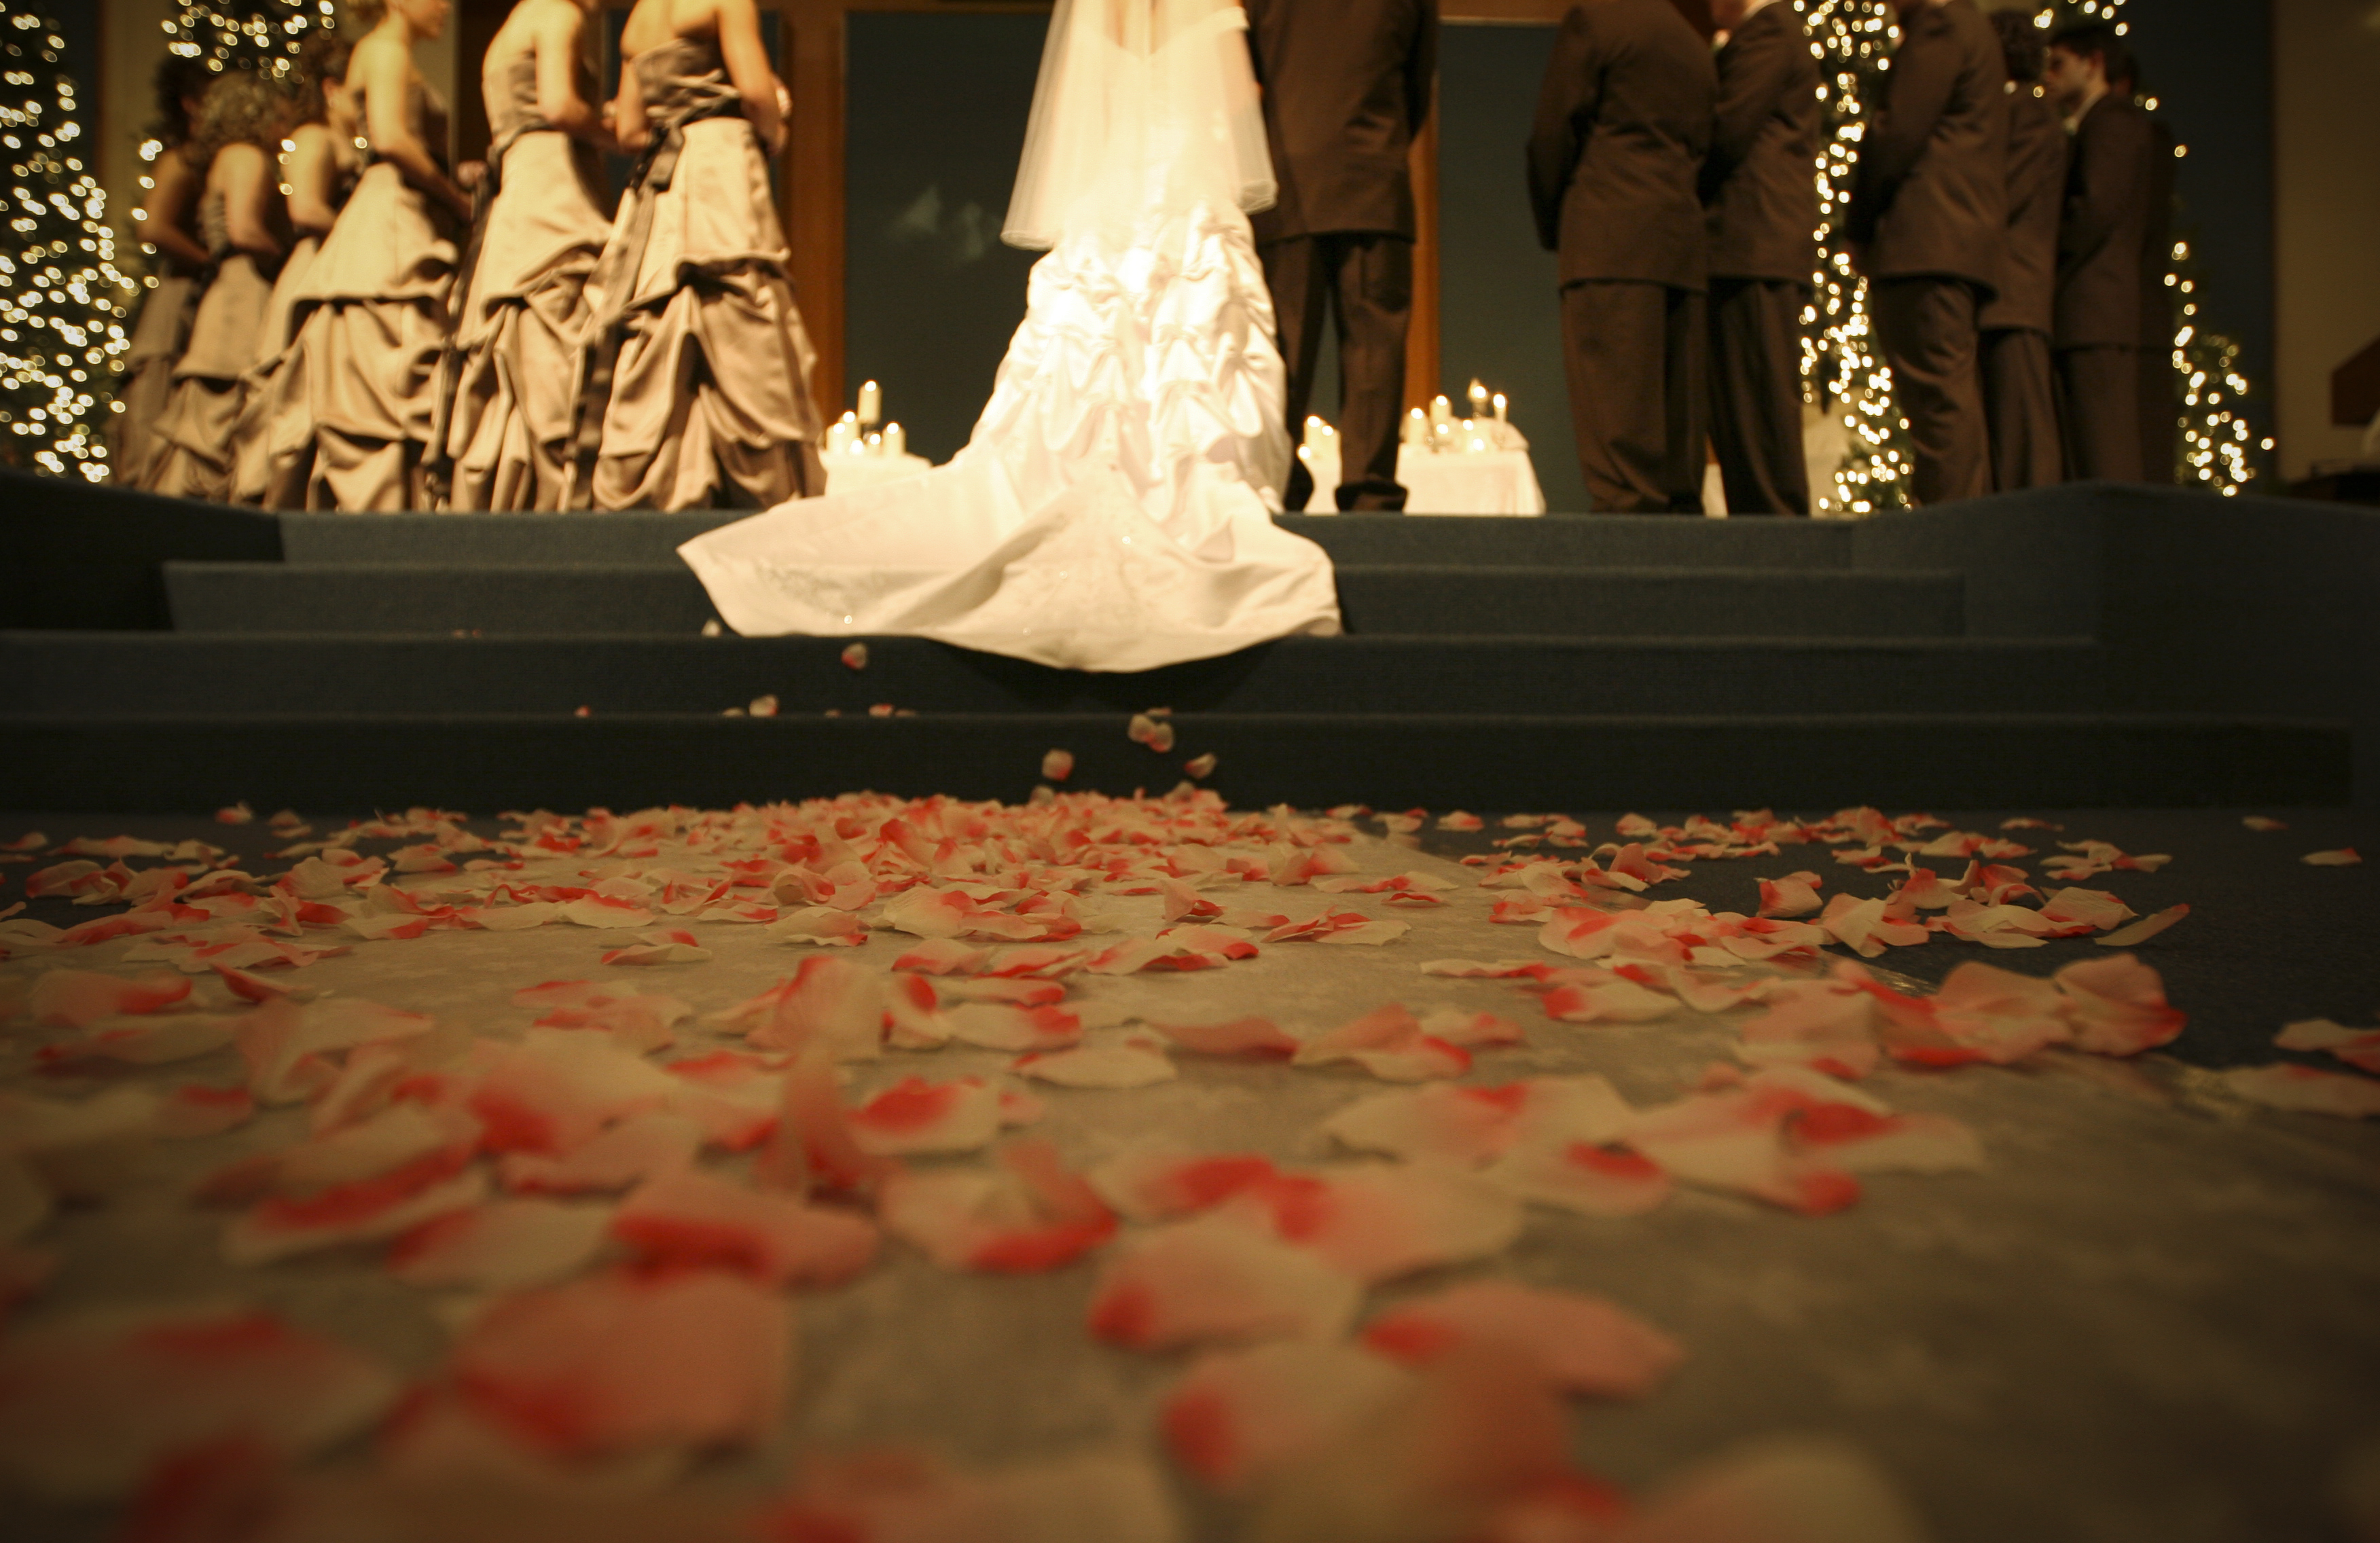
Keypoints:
(871, 403)
(896, 441)
(1442, 411)
(1478, 395)
(876, 444)
(1416, 427)
(839, 436)
(1315, 430)
(1502, 402)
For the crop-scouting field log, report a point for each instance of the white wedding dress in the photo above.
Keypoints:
(1112, 509)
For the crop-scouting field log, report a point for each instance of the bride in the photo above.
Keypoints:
(1112, 510)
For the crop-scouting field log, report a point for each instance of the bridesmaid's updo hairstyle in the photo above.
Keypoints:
(323, 56)
(242, 105)
(179, 78)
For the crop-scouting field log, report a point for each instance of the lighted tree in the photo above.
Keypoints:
(1840, 358)
(63, 301)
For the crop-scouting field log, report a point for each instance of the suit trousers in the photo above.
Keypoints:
(1926, 326)
(1755, 395)
(2099, 399)
(2020, 404)
(1636, 356)
(1365, 277)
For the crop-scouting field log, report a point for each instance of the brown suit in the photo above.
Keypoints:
(1346, 86)
(2099, 308)
(1759, 184)
(1624, 121)
(1928, 206)
(2020, 387)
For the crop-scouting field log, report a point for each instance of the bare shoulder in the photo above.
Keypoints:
(654, 22)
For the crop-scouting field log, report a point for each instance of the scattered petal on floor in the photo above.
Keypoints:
(618, 1363)
(2306, 1089)
(88, 1403)
(1240, 1415)
(1584, 1344)
(1214, 1281)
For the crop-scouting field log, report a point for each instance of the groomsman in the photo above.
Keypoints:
(1927, 220)
(1763, 200)
(2020, 388)
(1346, 86)
(1623, 122)
(2101, 240)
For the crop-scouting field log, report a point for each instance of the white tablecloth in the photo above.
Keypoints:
(851, 473)
(1480, 483)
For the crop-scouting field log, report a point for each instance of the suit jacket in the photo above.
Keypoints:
(1622, 124)
(2105, 228)
(1931, 194)
(2036, 194)
(1760, 181)
(1346, 86)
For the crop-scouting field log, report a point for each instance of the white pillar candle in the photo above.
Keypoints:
(1502, 402)
(872, 405)
(896, 441)
(1478, 395)
(839, 436)
(1442, 411)
(1416, 427)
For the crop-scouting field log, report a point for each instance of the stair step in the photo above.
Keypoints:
(1652, 602)
(653, 539)
(590, 599)
(354, 763)
(143, 673)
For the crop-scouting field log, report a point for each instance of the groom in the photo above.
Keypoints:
(1346, 86)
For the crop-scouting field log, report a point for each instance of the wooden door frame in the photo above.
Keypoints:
(811, 180)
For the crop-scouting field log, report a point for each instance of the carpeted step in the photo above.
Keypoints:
(156, 672)
(1655, 602)
(166, 763)
(651, 539)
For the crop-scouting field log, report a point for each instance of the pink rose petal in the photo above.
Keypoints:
(618, 1364)
(1580, 1343)
(88, 1405)
(685, 1219)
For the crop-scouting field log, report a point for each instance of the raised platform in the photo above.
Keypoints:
(2090, 645)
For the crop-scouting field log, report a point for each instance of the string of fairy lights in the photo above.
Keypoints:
(1841, 362)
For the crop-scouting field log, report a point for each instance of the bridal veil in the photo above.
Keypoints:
(1141, 105)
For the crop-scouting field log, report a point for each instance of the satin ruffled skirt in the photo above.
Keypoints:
(196, 436)
(522, 329)
(376, 321)
(158, 339)
(274, 441)
(710, 403)
(1112, 510)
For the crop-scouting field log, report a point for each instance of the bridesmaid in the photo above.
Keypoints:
(375, 302)
(167, 220)
(524, 318)
(319, 163)
(239, 212)
(697, 376)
